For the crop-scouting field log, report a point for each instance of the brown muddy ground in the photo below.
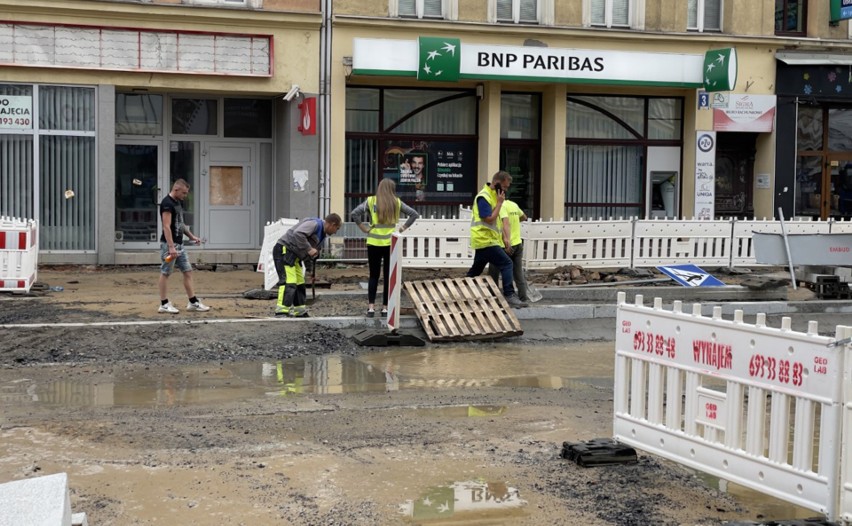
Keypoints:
(349, 458)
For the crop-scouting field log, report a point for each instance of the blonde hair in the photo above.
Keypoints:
(387, 206)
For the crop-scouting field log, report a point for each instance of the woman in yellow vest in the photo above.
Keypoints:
(384, 210)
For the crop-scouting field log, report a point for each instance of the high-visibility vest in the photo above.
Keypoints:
(514, 213)
(482, 234)
(380, 235)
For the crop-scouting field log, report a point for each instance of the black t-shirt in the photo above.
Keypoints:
(170, 204)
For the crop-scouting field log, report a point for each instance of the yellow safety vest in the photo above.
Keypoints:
(380, 235)
(514, 213)
(482, 234)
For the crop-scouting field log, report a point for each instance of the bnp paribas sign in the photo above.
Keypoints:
(438, 59)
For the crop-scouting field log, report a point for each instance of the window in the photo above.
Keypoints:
(421, 8)
(704, 15)
(610, 13)
(791, 17)
(517, 11)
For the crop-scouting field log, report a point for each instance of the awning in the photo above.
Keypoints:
(804, 58)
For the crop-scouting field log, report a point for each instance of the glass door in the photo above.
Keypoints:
(522, 163)
(138, 190)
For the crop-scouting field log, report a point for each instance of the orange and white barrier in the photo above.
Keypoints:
(18, 254)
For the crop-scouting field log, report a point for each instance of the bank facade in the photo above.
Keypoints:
(289, 108)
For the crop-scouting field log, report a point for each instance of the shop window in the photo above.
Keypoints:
(607, 142)
(362, 110)
(250, 118)
(704, 15)
(194, 116)
(517, 11)
(420, 8)
(839, 129)
(425, 140)
(791, 17)
(610, 13)
(66, 108)
(138, 114)
(809, 128)
(519, 116)
(47, 166)
(665, 119)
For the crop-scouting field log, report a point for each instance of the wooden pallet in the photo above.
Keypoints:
(462, 309)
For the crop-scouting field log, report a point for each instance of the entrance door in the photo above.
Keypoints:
(138, 184)
(229, 196)
(521, 161)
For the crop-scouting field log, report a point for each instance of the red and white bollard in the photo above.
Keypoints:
(394, 282)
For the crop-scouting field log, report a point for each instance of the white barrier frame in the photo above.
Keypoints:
(18, 254)
(603, 243)
(707, 430)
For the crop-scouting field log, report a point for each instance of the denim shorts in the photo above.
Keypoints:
(181, 262)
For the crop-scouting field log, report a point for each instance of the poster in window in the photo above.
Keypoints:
(434, 171)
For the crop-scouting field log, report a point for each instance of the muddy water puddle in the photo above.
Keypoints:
(493, 365)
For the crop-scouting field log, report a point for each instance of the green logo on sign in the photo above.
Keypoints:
(720, 69)
(440, 59)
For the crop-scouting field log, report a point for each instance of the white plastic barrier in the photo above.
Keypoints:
(664, 242)
(18, 254)
(603, 243)
(751, 404)
(272, 232)
(435, 243)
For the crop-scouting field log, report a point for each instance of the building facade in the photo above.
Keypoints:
(289, 108)
(105, 104)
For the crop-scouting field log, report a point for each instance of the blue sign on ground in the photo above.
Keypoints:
(690, 276)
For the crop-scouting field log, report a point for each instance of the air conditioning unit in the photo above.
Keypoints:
(119, 235)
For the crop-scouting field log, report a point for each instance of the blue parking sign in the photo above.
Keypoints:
(690, 276)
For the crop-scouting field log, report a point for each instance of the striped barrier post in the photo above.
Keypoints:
(394, 282)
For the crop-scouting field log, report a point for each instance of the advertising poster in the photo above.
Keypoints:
(433, 171)
(705, 175)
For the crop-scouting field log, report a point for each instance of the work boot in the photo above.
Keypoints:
(515, 302)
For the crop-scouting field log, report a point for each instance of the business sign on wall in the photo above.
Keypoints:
(841, 10)
(705, 175)
(746, 113)
(16, 112)
(448, 59)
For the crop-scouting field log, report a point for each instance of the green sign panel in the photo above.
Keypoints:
(720, 69)
(440, 59)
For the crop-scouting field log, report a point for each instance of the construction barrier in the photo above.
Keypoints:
(18, 254)
(766, 408)
(272, 232)
(601, 243)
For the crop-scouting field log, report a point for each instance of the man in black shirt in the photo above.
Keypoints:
(172, 253)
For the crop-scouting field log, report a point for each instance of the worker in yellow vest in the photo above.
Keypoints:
(486, 236)
(384, 210)
(511, 217)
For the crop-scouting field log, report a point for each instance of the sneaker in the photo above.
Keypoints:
(199, 307)
(302, 315)
(370, 313)
(515, 302)
(168, 308)
(280, 310)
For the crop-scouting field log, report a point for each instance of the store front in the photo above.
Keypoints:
(815, 137)
(623, 142)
